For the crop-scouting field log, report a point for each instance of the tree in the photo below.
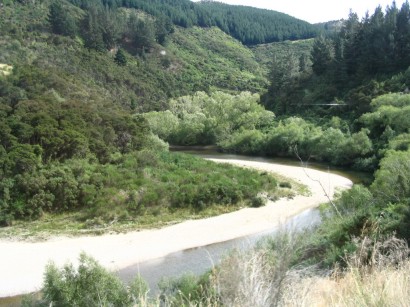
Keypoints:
(283, 78)
(163, 27)
(120, 58)
(112, 25)
(92, 31)
(402, 36)
(392, 180)
(349, 34)
(141, 33)
(61, 21)
(321, 55)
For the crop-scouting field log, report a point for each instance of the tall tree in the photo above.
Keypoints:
(92, 30)
(163, 27)
(402, 36)
(321, 55)
(120, 58)
(61, 21)
(349, 34)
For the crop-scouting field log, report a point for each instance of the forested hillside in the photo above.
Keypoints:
(248, 25)
(349, 68)
(74, 82)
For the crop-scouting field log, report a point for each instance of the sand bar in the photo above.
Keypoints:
(22, 263)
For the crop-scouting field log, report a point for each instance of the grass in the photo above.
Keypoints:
(377, 274)
(67, 224)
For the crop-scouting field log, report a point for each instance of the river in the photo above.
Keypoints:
(198, 260)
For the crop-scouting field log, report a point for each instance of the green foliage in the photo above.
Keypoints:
(255, 26)
(321, 55)
(244, 142)
(392, 179)
(134, 184)
(258, 201)
(62, 22)
(209, 119)
(249, 25)
(214, 60)
(88, 285)
(351, 67)
(120, 58)
(189, 290)
(390, 110)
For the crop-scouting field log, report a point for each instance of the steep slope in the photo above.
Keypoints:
(195, 59)
(210, 58)
(265, 54)
(72, 140)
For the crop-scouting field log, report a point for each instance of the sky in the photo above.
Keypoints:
(315, 11)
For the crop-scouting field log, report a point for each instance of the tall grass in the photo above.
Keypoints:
(377, 274)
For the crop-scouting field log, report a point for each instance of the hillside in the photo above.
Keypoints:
(211, 59)
(281, 52)
(249, 25)
(257, 26)
(72, 133)
(148, 79)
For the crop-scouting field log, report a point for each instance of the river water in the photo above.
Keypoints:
(199, 260)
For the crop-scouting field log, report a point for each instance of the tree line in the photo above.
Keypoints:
(348, 67)
(249, 25)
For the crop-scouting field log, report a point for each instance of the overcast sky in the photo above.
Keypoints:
(317, 10)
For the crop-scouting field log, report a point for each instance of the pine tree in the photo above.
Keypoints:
(320, 55)
(61, 21)
(120, 58)
(92, 30)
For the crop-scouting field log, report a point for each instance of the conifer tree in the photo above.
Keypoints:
(120, 58)
(61, 21)
(320, 55)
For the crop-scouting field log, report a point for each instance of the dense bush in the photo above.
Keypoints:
(88, 285)
(131, 185)
(209, 119)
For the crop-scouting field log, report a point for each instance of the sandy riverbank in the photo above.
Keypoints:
(22, 263)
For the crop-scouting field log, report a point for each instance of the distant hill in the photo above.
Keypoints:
(249, 25)
(254, 26)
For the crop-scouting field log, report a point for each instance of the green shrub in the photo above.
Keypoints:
(88, 285)
(285, 184)
(258, 201)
